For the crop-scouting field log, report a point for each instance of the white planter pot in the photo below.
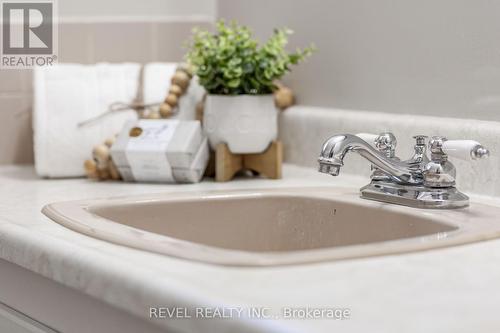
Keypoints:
(247, 123)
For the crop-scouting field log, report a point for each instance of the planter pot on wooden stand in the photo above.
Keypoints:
(242, 130)
(246, 123)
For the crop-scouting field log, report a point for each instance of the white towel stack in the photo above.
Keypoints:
(67, 94)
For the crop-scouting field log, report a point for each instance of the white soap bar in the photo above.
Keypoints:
(145, 152)
(150, 150)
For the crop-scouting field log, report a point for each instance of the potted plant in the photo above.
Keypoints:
(240, 77)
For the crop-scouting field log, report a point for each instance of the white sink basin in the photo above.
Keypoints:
(272, 227)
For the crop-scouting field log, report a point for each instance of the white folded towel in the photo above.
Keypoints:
(67, 94)
(157, 83)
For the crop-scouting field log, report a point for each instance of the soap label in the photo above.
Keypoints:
(146, 150)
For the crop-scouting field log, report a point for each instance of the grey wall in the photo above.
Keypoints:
(433, 57)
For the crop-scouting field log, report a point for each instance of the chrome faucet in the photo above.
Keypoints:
(419, 181)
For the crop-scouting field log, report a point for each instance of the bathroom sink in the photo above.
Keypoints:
(272, 227)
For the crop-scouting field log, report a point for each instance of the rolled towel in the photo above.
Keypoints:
(68, 94)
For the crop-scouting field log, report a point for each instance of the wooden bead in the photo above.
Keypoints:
(103, 174)
(90, 167)
(109, 141)
(284, 98)
(176, 90)
(181, 79)
(101, 156)
(166, 110)
(171, 100)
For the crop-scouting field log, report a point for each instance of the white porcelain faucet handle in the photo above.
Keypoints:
(465, 149)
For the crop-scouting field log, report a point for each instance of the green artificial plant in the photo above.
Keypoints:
(231, 61)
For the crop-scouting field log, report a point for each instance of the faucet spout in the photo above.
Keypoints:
(335, 148)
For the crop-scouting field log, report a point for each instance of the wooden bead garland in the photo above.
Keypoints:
(101, 166)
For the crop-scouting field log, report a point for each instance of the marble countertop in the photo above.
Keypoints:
(454, 289)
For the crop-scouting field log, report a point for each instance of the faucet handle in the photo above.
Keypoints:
(420, 139)
(419, 156)
(465, 149)
(384, 142)
(462, 149)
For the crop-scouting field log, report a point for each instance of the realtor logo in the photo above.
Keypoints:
(29, 34)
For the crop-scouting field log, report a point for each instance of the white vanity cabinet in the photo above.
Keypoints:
(32, 303)
(12, 321)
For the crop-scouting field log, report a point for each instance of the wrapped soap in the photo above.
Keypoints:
(161, 151)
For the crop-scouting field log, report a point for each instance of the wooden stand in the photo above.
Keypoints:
(267, 164)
